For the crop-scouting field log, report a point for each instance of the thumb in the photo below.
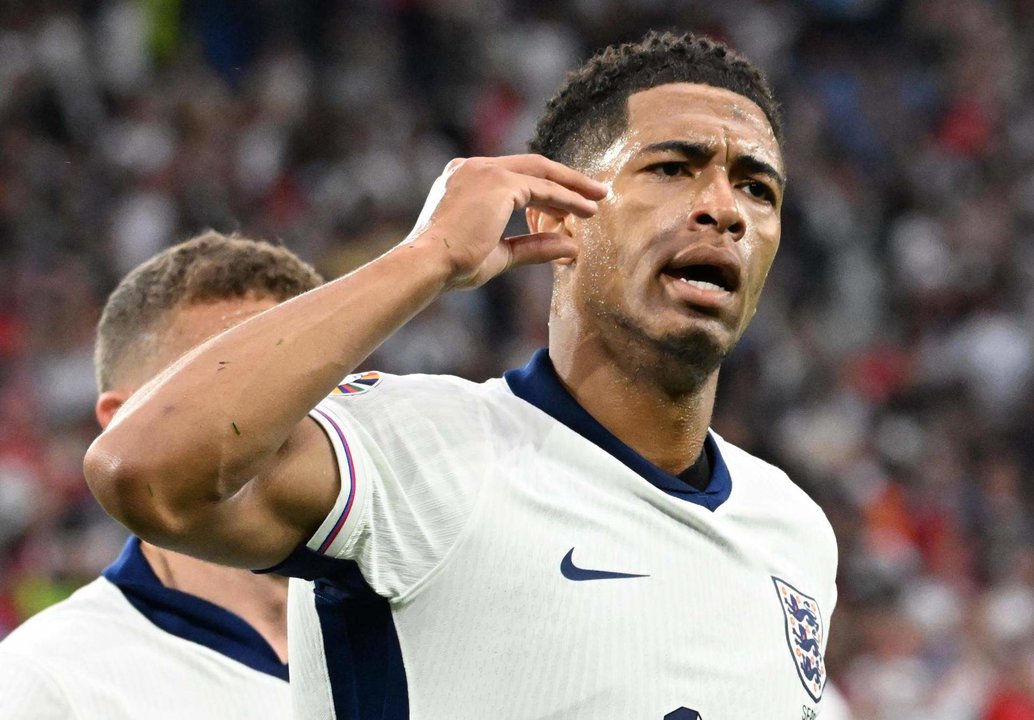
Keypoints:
(540, 248)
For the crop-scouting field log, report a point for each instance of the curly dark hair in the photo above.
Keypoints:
(207, 268)
(591, 109)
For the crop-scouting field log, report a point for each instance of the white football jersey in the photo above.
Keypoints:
(497, 553)
(125, 647)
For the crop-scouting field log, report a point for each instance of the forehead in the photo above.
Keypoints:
(700, 113)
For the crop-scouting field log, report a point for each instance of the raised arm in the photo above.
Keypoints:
(216, 456)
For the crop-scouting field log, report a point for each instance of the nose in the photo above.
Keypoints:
(715, 208)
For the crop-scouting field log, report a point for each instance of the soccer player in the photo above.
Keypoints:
(160, 634)
(570, 540)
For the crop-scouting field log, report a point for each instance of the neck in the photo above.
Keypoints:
(634, 393)
(260, 600)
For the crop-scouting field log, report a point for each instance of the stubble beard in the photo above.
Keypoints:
(680, 362)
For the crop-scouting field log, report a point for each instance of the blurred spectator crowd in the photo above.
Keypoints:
(889, 370)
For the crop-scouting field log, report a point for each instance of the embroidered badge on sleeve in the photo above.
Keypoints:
(360, 383)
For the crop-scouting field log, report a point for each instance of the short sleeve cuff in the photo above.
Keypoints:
(334, 534)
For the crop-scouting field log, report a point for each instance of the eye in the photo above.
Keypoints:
(759, 190)
(671, 168)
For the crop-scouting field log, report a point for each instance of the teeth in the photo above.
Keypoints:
(702, 284)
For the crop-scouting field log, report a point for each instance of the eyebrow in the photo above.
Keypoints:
(751, 164)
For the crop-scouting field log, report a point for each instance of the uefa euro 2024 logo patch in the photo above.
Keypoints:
(804, 636)
(359, 383)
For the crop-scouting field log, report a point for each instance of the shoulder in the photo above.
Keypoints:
(768, 483)
(372, 384)
(763, 490)
(40, 656)
(385, 403)
(73, 626)
(374, 389)
(412, 451)
(30, 690)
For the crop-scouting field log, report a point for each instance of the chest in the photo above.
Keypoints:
(610, 596)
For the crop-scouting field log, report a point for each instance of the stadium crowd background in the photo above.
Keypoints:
(889, 369)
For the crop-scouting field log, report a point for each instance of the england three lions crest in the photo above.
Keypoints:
(804, 636)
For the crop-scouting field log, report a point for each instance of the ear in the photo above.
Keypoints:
(108, 404)
(542, 221)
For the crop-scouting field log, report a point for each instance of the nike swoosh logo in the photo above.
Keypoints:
(572, 572)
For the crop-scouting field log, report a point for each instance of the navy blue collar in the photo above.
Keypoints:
(538, 384)
(188, 616)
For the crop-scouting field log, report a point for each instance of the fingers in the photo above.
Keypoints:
(554, 198)
(474, 198)
(539, 166)
(531, 179)
(540, 248)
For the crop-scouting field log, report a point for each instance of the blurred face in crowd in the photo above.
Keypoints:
(680, 249)
(184, 328)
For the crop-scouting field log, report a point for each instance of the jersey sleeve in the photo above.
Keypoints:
(411, 452)
(29, 692)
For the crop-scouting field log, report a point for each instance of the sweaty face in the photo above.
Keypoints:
(679, 251)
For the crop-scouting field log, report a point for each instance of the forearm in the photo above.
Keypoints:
(212, 457)
(225, 409)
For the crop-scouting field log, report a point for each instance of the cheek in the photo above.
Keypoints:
(760, 259)
(602, 241)
(617, 245)
(596, 256)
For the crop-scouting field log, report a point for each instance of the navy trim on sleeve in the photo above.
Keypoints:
(364, 659)
(538, 384)
(308, 564)
(360, 642)
(189, 617)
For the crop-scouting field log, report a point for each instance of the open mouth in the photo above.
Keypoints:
(705, 277)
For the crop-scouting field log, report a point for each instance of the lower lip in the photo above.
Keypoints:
(696, 296)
